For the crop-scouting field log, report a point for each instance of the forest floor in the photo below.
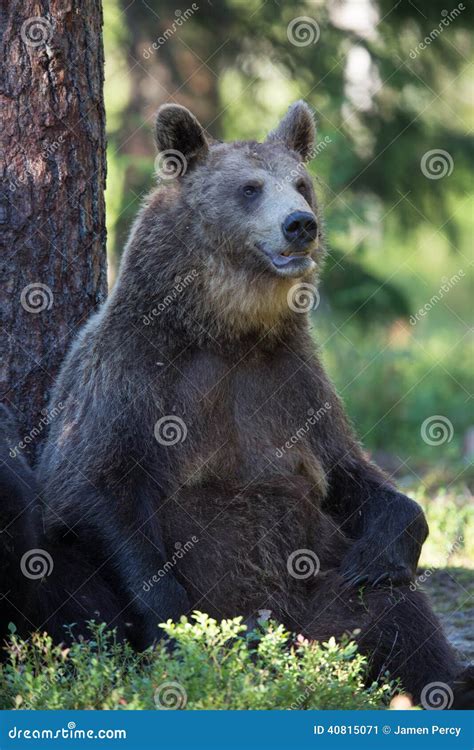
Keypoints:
(451, 591)
(446, 570)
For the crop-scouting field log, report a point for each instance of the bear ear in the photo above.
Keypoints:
(177, 130)
(297, 130)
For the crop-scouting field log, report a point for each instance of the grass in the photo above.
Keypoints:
(393, 380)
(450, 515)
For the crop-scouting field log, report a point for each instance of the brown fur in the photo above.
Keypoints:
(228, 356)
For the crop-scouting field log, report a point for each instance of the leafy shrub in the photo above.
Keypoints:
(212, 666)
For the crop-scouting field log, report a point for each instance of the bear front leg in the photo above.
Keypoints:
(390, 545)
(122, 542)
(150, 590)
(388, 529)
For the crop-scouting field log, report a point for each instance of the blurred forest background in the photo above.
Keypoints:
(399, 218)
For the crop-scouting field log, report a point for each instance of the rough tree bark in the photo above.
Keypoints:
(53, 264)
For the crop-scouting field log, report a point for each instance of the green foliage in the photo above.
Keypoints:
(392, 381)
(382, 103)
(450, 515)
(212, 666)
(368, 297)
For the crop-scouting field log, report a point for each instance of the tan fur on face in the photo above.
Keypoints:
(245, 302)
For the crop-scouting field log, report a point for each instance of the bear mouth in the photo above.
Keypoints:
(289, 262)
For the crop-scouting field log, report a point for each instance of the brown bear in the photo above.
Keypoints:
(43, 584)
(202, 459)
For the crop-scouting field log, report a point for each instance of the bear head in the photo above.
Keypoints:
(232, 228)
(255, 202)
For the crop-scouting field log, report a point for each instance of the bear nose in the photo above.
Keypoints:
(300, 228)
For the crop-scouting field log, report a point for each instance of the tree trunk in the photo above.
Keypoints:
(53, 265)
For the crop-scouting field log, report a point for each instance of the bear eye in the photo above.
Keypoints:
(302, 188)
(251, 190)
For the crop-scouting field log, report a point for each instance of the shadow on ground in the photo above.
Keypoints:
(452, 593)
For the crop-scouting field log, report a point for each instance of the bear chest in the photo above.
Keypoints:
(245, 422)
